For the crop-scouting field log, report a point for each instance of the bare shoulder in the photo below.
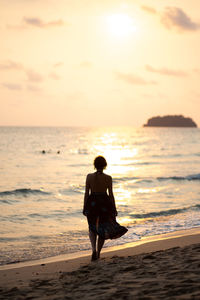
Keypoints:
(89, 176)
(108, 177)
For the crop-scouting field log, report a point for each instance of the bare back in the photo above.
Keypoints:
(99, 182)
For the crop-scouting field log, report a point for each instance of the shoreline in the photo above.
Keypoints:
(48, 267)
(137, 247)
(159, 267)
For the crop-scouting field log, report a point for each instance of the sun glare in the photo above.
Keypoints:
(116, 152)
(120, 25)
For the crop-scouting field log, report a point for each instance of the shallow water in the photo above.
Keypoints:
(156, 177)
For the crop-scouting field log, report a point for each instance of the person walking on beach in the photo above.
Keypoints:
(100, 209)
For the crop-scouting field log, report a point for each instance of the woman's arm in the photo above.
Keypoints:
(111, 196)
(87, 188)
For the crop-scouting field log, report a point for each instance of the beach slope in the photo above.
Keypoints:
(163, 267)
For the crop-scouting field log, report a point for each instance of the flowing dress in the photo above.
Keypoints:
(101, 217)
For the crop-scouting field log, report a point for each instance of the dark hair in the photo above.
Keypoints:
(100, 163)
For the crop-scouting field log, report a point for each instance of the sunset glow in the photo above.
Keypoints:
(110, 63)
(120, 25)
(118, 157)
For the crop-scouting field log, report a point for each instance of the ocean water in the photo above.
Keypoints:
(156, 181)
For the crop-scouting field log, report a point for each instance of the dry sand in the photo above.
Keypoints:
(162, 267)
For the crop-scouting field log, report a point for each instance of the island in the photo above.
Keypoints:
(170, 121)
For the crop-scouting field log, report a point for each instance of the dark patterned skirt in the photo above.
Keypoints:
(101, 217)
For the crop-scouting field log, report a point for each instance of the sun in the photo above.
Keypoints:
(120, 25)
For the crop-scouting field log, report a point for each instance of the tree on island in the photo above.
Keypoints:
(170, 121)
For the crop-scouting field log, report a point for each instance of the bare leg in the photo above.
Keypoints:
(93, 238)
(99, 246)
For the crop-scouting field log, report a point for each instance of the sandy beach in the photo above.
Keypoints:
(160, 267)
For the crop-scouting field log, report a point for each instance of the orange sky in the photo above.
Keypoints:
(108, 62)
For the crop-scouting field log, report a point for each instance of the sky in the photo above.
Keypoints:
(98, 62)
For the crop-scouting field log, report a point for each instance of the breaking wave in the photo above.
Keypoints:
(189, 177)
(151, 179)
(169, 212)
(23, 192)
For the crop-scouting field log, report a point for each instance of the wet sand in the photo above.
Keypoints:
(161, 267)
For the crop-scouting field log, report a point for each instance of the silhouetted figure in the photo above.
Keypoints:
(43, 152)
(100, 208)
(58, 152)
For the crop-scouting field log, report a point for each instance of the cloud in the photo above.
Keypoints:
(174, 17)
(86, 64)
(165, 71)
(36, 22)
(12, 86)
(132, 79)
(197, 71)
(54, 76)
(10, 65)
(33, 76)
(149, 9)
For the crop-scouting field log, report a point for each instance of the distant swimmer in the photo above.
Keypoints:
(44, 151)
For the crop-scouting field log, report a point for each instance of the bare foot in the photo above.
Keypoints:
(94, 256)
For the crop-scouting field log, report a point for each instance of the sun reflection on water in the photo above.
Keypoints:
(122, 157)
(147, 190)
(117, 152)
(123, 196)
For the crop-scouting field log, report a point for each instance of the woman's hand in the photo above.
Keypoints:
(84, 212)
